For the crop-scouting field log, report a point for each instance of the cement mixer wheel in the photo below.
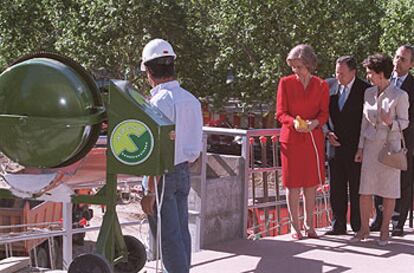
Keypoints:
(91, 263)
(137, 256)
(42, 256)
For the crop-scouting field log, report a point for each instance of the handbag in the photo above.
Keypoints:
(397, 160)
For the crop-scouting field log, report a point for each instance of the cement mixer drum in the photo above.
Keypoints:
(50, 111)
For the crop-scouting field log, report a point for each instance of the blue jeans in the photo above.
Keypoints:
(175, 236)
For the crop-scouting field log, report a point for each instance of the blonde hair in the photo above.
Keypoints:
(306, 54)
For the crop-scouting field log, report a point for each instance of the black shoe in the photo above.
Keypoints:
(336, 232)
(375, 227)
(397, 232)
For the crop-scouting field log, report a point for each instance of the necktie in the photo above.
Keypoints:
(342, 98)
(398, 82)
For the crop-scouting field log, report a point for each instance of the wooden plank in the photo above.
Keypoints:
(13, 264)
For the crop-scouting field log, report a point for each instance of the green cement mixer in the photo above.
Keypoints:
(51, 112)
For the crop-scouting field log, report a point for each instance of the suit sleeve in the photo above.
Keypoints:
(282, 105)
(401, 113)
(364, 125)
(409, 88)
(323, 115)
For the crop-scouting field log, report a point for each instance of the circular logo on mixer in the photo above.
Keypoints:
(131, 142)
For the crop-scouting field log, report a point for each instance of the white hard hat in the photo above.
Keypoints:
(156, 48)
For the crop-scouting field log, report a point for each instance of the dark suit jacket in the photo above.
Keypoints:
(347, 123)
(408, 86)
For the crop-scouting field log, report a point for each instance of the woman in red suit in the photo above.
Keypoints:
(307, 96)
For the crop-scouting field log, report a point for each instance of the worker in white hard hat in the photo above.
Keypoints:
(181, 107)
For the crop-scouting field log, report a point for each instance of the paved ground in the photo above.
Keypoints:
(332, 254)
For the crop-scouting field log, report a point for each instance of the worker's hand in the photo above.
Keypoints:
(333, 139)
(172, 135)
(358, 155)
(147, 204)
(312, 124)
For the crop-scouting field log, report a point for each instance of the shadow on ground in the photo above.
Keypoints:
(332, 254)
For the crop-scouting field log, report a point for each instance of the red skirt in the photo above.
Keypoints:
(299, 163)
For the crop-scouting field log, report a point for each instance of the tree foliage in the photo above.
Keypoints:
(25, 26)
(225, 48)
(254, 37)
(397, 25)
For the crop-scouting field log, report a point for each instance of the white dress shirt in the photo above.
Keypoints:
(401, 79)
(182, 108)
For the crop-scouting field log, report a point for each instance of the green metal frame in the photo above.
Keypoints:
(127, 103)
(110, 241)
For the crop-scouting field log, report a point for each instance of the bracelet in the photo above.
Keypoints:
(150, 194)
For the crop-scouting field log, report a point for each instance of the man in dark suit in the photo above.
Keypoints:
(345, 109)
(401, 77)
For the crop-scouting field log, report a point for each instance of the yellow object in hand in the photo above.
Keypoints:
(302, 123)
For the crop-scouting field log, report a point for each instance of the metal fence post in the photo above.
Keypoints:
(67, 238)
(245, 153)
(263, 148)
(277, 190)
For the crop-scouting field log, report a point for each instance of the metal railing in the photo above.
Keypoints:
(263, 191)
(33, 232)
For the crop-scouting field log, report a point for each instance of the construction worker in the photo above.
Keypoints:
(181, 107)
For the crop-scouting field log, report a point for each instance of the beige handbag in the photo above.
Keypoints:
(397, 160)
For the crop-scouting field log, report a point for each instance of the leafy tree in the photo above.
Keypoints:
(111, 34)
(106, 36)
(254, 38)
(226, 48)
(25, 26)
(397, 25)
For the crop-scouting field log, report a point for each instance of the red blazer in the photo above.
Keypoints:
(293, 100)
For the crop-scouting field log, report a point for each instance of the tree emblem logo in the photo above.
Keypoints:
(132, 142)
